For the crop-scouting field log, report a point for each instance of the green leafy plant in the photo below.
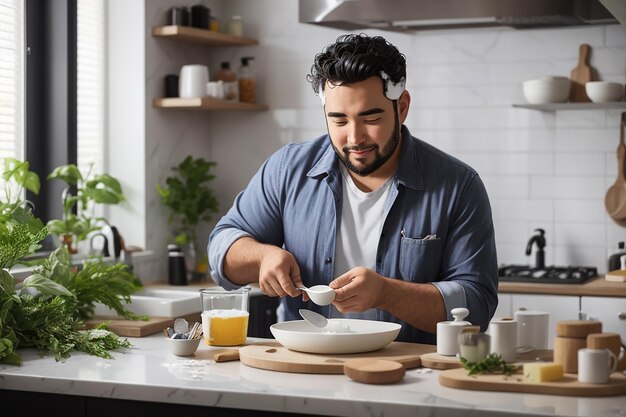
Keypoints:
(111, 285)
(189, 197)
(492, 364)
(90, 190)
(46, 310)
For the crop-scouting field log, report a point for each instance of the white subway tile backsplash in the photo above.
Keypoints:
(574, 164)
(586, 139)
(512, 209)
(579, 234)
(579, 211)
(509, 186)
(567, 187)
(587, 256)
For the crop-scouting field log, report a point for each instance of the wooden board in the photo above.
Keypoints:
(436, 361)
(581, 75)
(275, 357)
(569, 385)
(139, 328)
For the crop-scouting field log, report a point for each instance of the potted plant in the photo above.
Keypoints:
(78, 210)
(191, 201)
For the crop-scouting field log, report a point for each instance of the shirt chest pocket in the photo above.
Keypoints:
(419, 259)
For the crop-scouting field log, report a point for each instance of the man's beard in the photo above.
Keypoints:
(379, 159)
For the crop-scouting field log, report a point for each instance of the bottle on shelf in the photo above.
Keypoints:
(247, 81)
(229, 78)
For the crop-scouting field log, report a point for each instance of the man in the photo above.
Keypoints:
(402, 231)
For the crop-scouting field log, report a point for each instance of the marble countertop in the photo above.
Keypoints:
(149, 372)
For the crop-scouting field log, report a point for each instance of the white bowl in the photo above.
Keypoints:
(183, 347)
(364, 336)
(546, 90)
(604, 91)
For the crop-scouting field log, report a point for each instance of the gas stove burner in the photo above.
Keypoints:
(547, 275)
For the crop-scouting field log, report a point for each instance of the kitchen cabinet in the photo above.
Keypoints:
(560, 308)
(207, 38)
(610, 311)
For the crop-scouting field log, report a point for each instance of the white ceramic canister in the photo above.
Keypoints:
(503, 333)
(193, 80)
(532, 329)
(448, 332)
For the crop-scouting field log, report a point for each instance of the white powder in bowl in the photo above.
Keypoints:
(337, 327)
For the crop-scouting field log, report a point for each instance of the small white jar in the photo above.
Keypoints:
(448, 332)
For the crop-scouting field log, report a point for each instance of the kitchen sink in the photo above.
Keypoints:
(157, 302)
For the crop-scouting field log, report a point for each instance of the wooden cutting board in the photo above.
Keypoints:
(581, 75)
(275, 357)
(139, 328)
(436, 361)
(569, 385)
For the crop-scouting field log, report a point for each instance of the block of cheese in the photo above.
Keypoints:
(543, 371)
(616, 276)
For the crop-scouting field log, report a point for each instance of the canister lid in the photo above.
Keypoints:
(577, 328)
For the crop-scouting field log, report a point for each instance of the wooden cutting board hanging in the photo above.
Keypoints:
(581, 75)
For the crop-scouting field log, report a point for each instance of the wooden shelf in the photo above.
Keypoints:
(201, 36)
(573, 106)
(205, 103)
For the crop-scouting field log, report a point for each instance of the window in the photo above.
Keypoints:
(11, 79)
(91, 85)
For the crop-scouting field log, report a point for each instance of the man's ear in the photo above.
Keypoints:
(404, 102)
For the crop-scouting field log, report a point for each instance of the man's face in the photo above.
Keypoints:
(362, 124)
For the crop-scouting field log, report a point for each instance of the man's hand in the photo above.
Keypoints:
(279, 274)
(358, 290)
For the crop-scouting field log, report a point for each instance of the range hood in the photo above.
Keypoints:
(416, 15)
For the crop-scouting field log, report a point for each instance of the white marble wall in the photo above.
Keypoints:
(541, 169)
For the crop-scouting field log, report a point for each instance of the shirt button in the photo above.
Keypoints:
(329, 260)
(379, 260)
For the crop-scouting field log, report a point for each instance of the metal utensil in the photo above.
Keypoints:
(313, 318)
(322, 295)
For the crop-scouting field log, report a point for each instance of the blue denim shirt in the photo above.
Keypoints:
(294, 201)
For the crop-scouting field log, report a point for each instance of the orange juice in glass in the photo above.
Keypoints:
(225, 316)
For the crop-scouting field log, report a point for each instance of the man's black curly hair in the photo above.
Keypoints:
(353, 58)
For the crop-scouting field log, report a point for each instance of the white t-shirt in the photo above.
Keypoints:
(362, 219)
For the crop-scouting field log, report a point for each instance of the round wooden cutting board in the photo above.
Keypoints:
(275, 357)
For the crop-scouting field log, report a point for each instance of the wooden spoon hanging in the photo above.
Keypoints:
(615, 198)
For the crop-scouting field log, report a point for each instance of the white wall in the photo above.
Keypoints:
(541, 169)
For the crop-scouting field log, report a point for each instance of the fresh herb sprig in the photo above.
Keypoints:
(492, 364)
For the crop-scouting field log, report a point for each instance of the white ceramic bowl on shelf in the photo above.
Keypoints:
(604, 91)
(546, 90)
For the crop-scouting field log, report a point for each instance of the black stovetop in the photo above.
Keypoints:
(546, 275)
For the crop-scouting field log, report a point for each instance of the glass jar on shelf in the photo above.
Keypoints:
(235, 26)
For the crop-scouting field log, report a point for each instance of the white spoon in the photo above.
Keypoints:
(313, 318)
(322, 295)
